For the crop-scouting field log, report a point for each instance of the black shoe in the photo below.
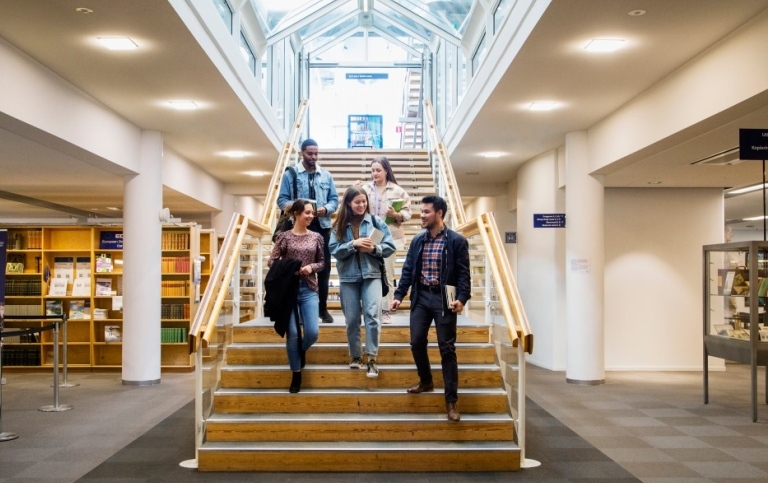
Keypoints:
(295, 383)
(326, 317)
(303, 355)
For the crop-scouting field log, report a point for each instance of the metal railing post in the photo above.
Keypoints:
(56, 407)
(64, 357)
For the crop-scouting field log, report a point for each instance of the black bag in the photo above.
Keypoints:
(285, 222)
(382, 266)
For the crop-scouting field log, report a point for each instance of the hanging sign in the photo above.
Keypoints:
(549, 220)
(366, 76)
(753, 144)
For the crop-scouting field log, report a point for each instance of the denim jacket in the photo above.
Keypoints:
(325, 191)
(344, 252)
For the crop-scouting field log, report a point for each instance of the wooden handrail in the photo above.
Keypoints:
(227, 262)
(271, 211)
(506, 288)
(445, 168)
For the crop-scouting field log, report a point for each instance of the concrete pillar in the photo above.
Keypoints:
(584, 271)
(141, 268)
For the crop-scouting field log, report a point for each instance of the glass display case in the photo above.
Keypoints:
(735, 297)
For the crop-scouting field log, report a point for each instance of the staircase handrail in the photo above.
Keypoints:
(445, 168)
(271, 211)
(506, 287)
(227, 261)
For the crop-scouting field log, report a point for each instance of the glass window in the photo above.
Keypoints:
(225, 11)
(265, 71)
(502, 10)
(247, 53)
(461, 78)
(479, 55)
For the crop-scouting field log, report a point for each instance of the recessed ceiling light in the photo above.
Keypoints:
(83, 10)
(604, 45)
(234, 154)
(654, 182)
(636, 13)
(113, 208)
(256, 173)
(543, 105)
(183, 105)
(492, 154)
(747, 189)
(117, 43)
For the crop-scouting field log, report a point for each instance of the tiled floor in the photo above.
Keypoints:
(650, 427)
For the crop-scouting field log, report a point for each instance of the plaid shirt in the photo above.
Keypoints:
(430, 261)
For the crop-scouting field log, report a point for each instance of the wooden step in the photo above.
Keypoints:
(395, 376)
(356, 427)
(338, 353)
(359, 457)
(262, 330)
(363, 401)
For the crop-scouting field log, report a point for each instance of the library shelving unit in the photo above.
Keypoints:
(78, 270)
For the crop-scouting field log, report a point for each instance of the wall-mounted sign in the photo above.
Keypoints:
(366, 76)
(364, 131)
(753, 144)
(549, 220)
(510, 237)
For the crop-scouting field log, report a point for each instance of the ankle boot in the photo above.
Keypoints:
(295, 382)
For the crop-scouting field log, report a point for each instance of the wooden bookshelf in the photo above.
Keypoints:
(44, 250)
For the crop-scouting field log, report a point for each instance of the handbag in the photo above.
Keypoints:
(285, 222)
(382, 266)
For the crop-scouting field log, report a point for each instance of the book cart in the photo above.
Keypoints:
(78, 270)
(735, 296)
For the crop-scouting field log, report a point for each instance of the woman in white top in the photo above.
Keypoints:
(384, 192)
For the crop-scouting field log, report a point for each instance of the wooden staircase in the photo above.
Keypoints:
(343, 421)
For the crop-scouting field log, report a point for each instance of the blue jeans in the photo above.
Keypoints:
(308, 310)
(365, 293)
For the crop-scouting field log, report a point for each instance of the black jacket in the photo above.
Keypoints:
(454, 267)
(282, 290)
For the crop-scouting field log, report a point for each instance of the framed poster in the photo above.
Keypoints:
(365, 131)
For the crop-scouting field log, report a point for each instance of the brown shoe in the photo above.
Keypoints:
(453, 413)
(421, 387)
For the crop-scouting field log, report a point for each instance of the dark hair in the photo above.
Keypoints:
(384, 162)
(343, 215)
(298, 206)
(308, 142)
(437, 203)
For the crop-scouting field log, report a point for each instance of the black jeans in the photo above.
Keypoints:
(324, 276)
(429, 307)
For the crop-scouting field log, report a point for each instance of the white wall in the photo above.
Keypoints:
(540, 262)
(653, 275)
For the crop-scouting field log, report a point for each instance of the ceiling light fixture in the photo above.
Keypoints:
(183, 105)
(492, 154)
(257, 174)
(84, 10)
(117, 43)
(234, 154)
(604, 45)
(747, 189)
(755, 218)
(654, 182)
(636, 13)
(543, 105)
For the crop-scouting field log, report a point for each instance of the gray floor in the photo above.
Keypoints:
(649, 426)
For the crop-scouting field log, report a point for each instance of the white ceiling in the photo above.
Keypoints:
(174, 66)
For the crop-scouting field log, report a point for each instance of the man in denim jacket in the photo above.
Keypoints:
(314, 183)
(437, 257)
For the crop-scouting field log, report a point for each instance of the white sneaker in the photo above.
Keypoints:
(385, 318)
(373, 371)
(357, 363)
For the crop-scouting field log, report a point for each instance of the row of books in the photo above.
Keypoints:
(23, 287)
(173, 335)
(25, 240)
(174, 288)
(28, 356)
(174, 311)
(175, 264)
(175, 241)
(32, 338)
(32, 310)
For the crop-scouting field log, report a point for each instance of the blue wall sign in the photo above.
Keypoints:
(366, 76)
(549, 220)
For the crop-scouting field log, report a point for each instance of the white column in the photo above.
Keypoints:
(141, 267)
(585, 260)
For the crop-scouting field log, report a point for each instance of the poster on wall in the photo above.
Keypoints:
(365, 131)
